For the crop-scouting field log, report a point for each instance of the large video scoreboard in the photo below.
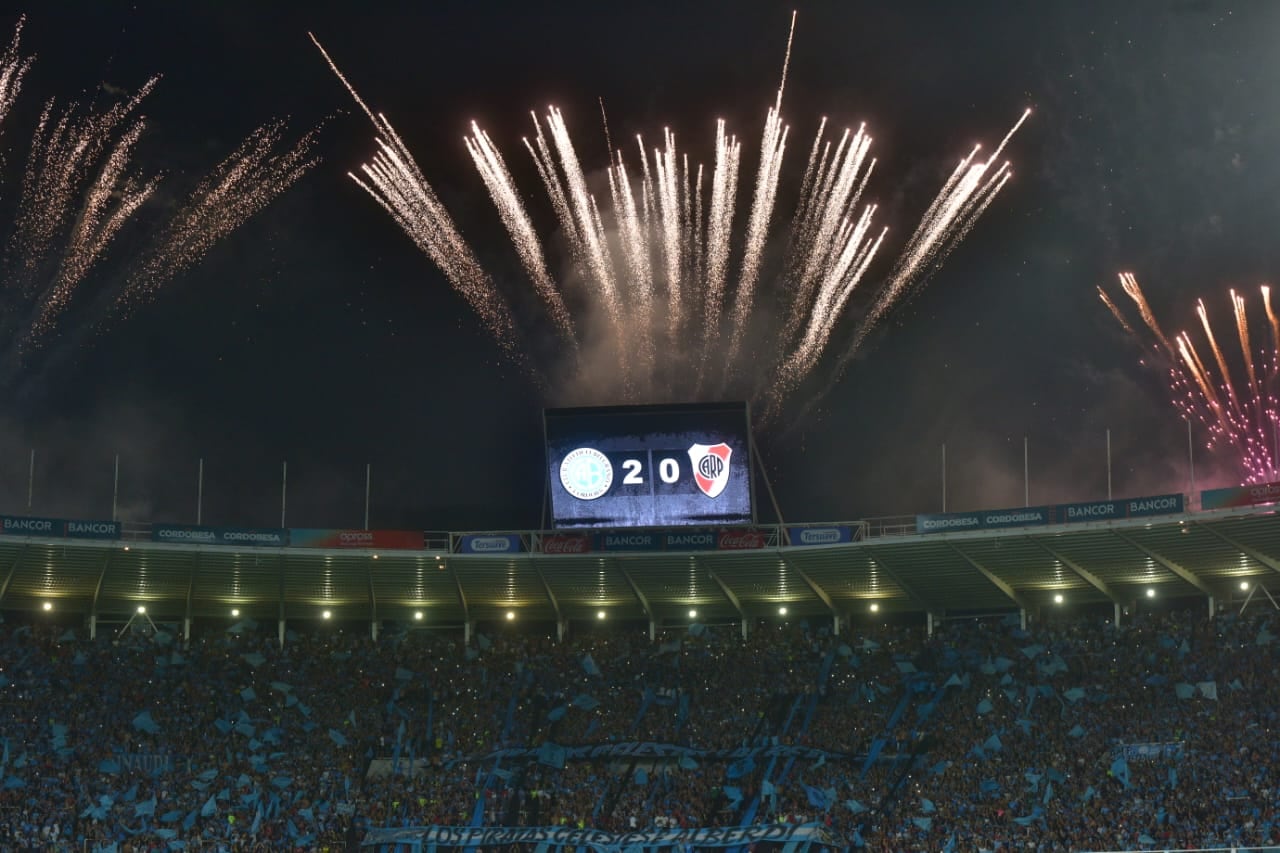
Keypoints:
(649, 466)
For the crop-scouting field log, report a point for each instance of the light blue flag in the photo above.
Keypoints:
(586, 703)
(906, 667)
(254, 659)
(1208, 689)
(1120, 770)
(985, 706)
(557, 713)
(924, 823)
(1074, 695)
(1264, 637)
(940, 768)
(927, 806)
(1077, 731)
(953, 681)
(337, 738)
(147, 808)
(855, 806)
(483, 642)
(208, 776)
(1032, 651)
(144, 723)
(734, 794)
(403, 674)
(1184, 691)
(281, 686)
(248, 694)
(697, 629)
(589, 666)
(1003, 664)
(993, 744)
(844, 651)
(171, 817)
(106, 765)
(687, 762)
(210, 808)
(641, 776)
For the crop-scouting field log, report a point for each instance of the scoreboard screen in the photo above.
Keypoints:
(649, 466)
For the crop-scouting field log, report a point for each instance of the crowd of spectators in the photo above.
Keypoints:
(1068, 735)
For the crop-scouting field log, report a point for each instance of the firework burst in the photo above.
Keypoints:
(673, 294)
(83, 187)
(1236, 405)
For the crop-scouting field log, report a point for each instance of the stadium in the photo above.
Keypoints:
(673, 658)
(1072, 677)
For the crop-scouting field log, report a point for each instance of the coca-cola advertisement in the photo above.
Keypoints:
(742, 539)
(562, 543)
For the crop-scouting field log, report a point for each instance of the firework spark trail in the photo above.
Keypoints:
(237, 189)
(655, 261)
(394, 180)
(13, 67)
(493, 170)
(1243, 418)
(64, 166)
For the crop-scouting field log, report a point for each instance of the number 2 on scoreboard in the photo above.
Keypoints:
(633, 477)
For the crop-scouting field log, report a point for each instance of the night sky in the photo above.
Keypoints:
(318, 334)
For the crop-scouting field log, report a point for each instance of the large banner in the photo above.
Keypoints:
(826, 535)
(1036, 516)
(1261, 493)
(646, 750)
(490, 543)
(563, 837)
(190, 534)
(14, 525)
(383, 540)
(990, 519)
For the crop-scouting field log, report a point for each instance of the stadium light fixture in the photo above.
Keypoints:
(235, 612)
(600, 614)
(875, 607)
(142, 608)
(1057, 599)
(693, 614)
(326, 615)
(1151, 592)
(126, 547)
(1244, 584)
(375, 556)
(782, 611)
(417, 615)
(511, 615)
(48, 605)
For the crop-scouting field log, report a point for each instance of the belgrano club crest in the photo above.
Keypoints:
(711, 467)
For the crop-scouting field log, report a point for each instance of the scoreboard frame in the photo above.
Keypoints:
(740, 410)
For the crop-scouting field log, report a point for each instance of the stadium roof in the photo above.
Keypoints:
(1177, 556)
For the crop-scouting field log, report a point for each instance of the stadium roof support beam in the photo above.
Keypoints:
(373, 601)
(551, 597)
(462, 600)
(639, 594)
(813, 588)
(1165, 562)
(902, 584)
(280, 622)
(1080, 571)
(191, 585)
(97, 594)
(730, 596)
(996, 581)
(1250, 552)
(13, 568)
